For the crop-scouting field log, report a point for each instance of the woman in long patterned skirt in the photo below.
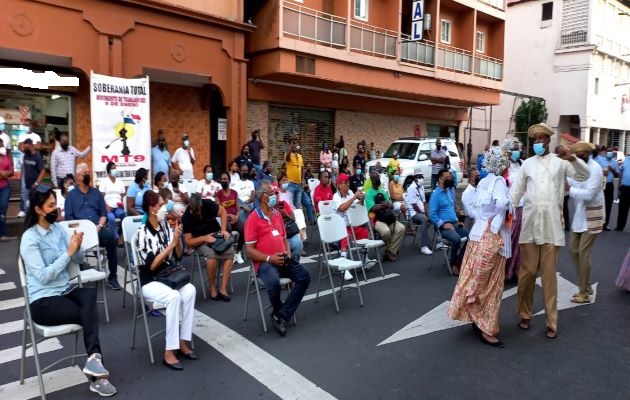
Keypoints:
(477, 296)
(623, 279)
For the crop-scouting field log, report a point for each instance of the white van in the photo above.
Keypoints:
(414, 155)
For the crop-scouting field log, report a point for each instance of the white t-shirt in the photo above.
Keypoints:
(286, 196)
(244, 190)
(234, 179)
(178, 203)
(208, 190)
(415, 195)
(339, 200)
(33, 136)
(113, 191)
(6, 140)
(182, 158)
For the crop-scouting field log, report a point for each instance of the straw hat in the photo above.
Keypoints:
(538, 129)
(582, 146)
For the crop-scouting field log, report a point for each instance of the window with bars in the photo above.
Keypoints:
(445, 31)
(574, 22)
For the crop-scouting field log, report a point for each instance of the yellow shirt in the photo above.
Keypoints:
(394, 165)
(294, 167)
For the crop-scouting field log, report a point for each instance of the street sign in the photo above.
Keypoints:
(417, 16)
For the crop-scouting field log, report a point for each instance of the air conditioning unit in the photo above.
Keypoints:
(427, 22)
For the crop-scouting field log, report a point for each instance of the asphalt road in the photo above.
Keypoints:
(329, 355)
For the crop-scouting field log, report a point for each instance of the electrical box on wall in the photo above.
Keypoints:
(427, 22)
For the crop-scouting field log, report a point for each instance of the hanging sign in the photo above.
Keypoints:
(417, 16)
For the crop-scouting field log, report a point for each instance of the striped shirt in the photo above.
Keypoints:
(63, 161)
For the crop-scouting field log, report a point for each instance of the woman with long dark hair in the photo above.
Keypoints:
(136, 191)
(47, 251)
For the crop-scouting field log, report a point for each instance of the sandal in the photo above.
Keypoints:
(580, 299)
(524, 324)
(551, 334)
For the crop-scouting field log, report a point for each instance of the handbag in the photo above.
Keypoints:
(385, 215)
(220, 244)
(173, 277)
(291, 227)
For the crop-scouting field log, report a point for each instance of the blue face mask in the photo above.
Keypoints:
(114, 172)
(169, 206)
(516, 154)
(285, 185)
(359, 171)
(609, 155)
(209, 176)
(396, 178)
(539, 149)
(272, 201)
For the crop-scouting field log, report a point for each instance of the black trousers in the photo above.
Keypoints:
(106, 239)
(624, 206)
(609, 192)
(76, 307)
(565, 213)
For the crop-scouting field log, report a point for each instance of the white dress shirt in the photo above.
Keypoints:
(589, 193)
(338, 200)
(540, 183)
(468, 200)
(490, 204)
(415, 195)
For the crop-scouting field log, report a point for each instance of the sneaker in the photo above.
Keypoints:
(21, 214)
(94, 367)
(347, 276)
(113, 284)
(616, 201)
(439, 245)
(425, 250)
(343, 254)
(103, 387)
(238, 258)
(369, 263)
(279, 324)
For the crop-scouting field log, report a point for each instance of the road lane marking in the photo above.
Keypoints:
(15, 353)
(10, 327)
(7, 286)
(53, 381)
(11, 303)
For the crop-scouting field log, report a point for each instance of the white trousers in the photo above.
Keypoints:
(180, 310)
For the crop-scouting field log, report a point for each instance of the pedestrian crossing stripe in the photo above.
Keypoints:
(10, 327)
(2, 271)
(7, 286)
(11, 303)
(53, 381)
(15, 353)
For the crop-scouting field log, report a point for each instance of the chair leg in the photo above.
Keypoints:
(203, 285)
(148, 335)
(124, 291)
(247, 292)
(136, 305)
(105, 301)
(74, 349)
(319, 277)
(356, 280)
(23, 350)
(380, 261)
(332, 287)
(260, 307)
(37, 367)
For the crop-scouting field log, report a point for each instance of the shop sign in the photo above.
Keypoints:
(222, 129)
(417, 16)
(121, 125)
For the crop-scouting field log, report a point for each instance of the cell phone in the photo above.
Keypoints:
(281, 206)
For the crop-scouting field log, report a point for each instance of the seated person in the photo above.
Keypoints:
(393, 167)
(470, 193)
(357, 180)
(265, 173)
(199, 227)
(159, 245)
(396, 192)
(180, 194)
(228, 199)
(269, 250)
(47, 252)
(379, 168)
(283, 193)
(67, 184)
(418, 212)
(208, 187)
(443, 216)
(135, 192)
(86, 202)
(292, 231)
(378, 202)
(323, 191)
(160, 181)
(246, 193)
(113, 190)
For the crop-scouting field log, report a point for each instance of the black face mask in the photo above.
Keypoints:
(224, 185)
(86, 180)
(65, 146)
(585, 159)
(51, 217)
(246, 155)
(161, 146)
(449, 183)
(253, 176)
(27, 151)
(477, 179)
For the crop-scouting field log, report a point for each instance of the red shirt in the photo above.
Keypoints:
(322, 193)
(5, 165)
(266, 235)
(228, 201)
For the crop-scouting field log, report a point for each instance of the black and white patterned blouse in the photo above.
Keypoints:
(150, 243)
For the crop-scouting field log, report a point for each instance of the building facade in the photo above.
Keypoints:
(365, 70)
(191, 50)
(576, 55)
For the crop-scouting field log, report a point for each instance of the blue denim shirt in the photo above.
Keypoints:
(45, 255)
(90, 205)
(441, 207)
(605, 163)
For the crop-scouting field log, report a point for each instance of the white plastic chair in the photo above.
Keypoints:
(445, 247)
(312, 184)
(39, 333)
(332, 229)
(326, 207)
(358, 216)
(300, 221)
(191, 186)
(89, 244)
(130, 226)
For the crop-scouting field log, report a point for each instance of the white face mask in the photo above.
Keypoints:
(3, 151)
(161, 214)
(186, 143)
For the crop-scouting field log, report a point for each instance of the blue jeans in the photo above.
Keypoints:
(297, 191)
(271, 276)
(308, 206)
(453, 236)
(296, 245)
(4, 205)
(423, 221)
(24, 195)
(119, 213)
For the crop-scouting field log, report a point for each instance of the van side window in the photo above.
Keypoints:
(425, 148)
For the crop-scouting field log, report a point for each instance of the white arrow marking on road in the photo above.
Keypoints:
(438, 319)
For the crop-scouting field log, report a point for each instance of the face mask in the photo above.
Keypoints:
(539, 149)
(609, 155)
(27, 151)
(169, 205)
(253, 176)
(161, 214)
(246, 154)
(209, 176)
(65, 146)
(86, 180)
(51, 217)
(477, 179)
(396, 178)
(186, 143)
(69, 188)
(3, 151)
(224, 185)
(297, 148)
(161, 146)
(285, 185)
(272, 201)
(359, 171)
(114, 172)
(516, 154)
(449, 183)
(322, 169)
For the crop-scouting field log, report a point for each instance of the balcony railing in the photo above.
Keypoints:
(419, 52)
(573, 38)
(454, 59)
(489, 67)
(500, 4)
(373, 40)
(306, 23)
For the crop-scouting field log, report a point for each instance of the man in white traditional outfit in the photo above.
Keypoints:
(540, 183)
(588, 220)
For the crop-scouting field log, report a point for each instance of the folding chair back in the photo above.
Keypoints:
(191, 186)
(130, 226)
(326, 207)
(332, 228)
(358, 215)
(312, 184)
(90, 234)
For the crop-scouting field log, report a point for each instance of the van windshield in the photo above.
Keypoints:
(406, 151)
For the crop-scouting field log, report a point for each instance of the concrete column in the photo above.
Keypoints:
(622, 141)
(595, 136)
(585, 133)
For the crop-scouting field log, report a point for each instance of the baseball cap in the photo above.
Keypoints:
(343, 178)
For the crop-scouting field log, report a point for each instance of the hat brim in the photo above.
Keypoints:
(538, 130)
(582, 146)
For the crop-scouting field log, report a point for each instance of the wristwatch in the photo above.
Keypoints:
(268, 258)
